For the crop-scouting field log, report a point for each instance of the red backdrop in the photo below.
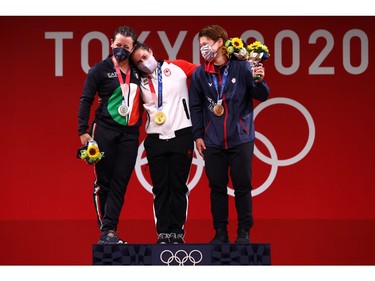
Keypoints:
(313, 173)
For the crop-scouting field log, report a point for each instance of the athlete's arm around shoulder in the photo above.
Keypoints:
(185, 65)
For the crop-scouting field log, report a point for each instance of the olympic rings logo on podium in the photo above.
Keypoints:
(181, 257)
(273, 160)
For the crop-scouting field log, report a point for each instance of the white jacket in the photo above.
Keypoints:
(175, 98)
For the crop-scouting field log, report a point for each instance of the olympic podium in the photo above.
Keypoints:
(182, 254)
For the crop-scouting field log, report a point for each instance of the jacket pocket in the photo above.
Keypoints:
(243, 126)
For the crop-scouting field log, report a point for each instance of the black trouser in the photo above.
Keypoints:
(169, 162)
(113, 173)
(236, 161)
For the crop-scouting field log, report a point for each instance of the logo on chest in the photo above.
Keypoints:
(111, 74)
(167, 72)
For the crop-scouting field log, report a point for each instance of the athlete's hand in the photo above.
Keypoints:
(258, 71)
(85, 138)
(200, 146)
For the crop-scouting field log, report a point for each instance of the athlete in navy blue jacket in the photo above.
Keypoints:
(221, 104)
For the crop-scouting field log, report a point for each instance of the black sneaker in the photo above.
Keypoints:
(163, 238)
(111, 238)
(176, 238)
(221, 237)
(242, 236)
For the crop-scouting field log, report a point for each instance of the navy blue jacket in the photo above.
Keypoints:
(236, 125)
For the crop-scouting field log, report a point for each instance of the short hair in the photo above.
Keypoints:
(125, 31)
(214, 32)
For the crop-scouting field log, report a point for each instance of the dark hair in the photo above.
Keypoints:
(125, 31)
(140, 45)
(214, 32)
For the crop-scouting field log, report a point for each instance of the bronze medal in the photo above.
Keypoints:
(159, 118)
(218, 110)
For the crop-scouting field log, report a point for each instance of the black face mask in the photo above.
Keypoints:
(120, 54)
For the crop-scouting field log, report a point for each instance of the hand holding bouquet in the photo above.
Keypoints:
(90, 153)
(258, 53)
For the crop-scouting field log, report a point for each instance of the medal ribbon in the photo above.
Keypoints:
(160, 88)
(224, 81)
(127, 81)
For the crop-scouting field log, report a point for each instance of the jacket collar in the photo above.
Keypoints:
(210, 67)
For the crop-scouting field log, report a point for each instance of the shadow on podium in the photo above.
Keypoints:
(181, 254)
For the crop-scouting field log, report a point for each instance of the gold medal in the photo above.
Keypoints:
(159, 118)
(123, 110)
(218, 110)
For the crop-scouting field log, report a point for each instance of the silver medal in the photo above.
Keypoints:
(123, 110)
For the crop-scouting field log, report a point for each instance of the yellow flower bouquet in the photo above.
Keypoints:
(255, 53)
(258, 51)
(238, 48)
(235, 47)
(90, 153)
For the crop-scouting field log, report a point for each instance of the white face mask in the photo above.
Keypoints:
(148, 65)
(207, 53)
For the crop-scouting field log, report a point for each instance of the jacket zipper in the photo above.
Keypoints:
(225, 122)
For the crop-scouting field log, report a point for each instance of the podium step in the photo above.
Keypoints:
(181, 254)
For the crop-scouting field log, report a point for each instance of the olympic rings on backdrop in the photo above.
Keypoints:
(310, 124)
(273, 160)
